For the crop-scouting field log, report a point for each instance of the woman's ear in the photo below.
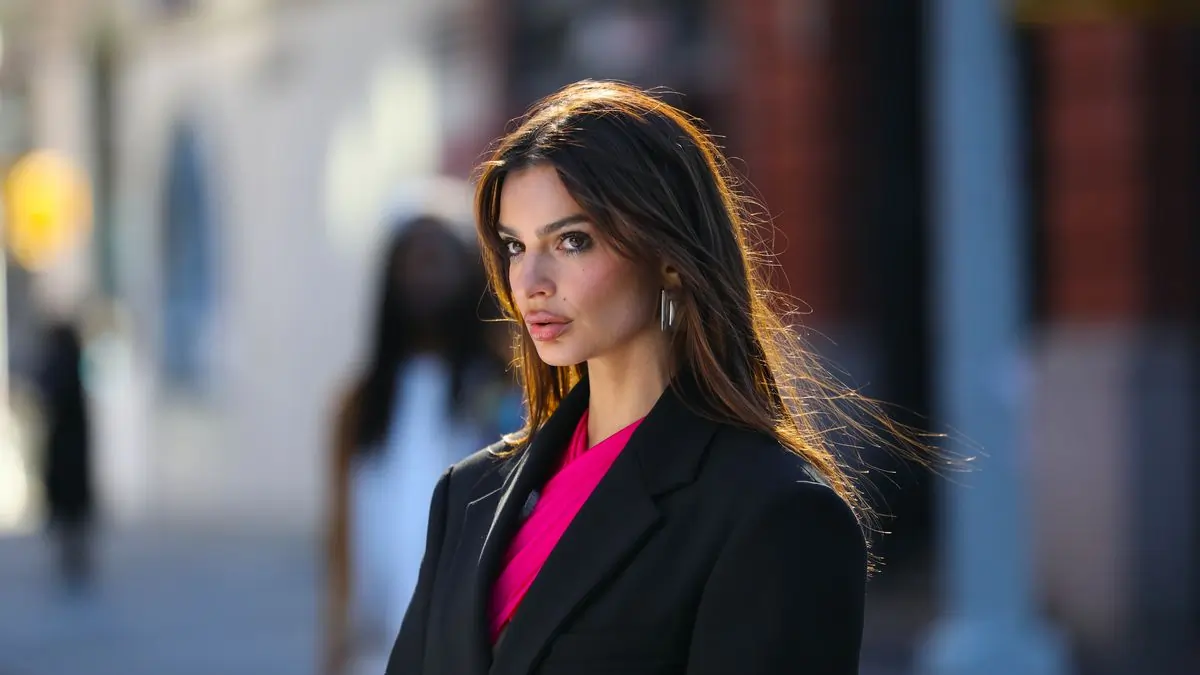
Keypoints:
(670, 277)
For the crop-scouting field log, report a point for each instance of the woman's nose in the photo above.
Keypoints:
(533, 276)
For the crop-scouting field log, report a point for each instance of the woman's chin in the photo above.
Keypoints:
(557, 355)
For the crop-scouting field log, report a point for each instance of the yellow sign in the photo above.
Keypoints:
(48, 208)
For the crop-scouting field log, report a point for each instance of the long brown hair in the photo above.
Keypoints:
(394, 341)
(661, 190)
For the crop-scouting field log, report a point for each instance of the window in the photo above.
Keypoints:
(188, 289)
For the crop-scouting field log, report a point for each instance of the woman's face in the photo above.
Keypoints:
(578, 298)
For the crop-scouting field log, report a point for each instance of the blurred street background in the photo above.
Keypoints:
(197, 194)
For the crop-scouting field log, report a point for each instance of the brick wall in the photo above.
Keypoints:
(784, 125)
(1120, 168)
(1095, 176)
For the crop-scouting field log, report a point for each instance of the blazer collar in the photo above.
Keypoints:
(664, 453)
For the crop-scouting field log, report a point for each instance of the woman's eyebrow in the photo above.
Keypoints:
(548, 228)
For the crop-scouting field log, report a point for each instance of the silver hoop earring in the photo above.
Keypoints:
(666, 312)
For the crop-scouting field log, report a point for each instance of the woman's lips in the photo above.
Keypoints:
(545, 326)
(545, 332)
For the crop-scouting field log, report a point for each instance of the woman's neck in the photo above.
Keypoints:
(624, 387)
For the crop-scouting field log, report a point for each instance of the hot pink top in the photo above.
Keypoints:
(578, 474)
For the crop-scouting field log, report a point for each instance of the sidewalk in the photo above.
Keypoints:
(167, 605)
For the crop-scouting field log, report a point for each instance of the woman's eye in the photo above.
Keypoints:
(512, 247)
(575, 242)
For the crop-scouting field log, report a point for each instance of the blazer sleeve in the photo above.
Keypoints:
(787, 592)
(408, 652)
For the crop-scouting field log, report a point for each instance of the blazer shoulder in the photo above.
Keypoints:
(479, 461)
(755, 476)
(753, 460)
(485, 464)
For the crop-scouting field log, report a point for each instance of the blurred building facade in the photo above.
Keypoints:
(244, 153)
(1115, 157)
(245, 156)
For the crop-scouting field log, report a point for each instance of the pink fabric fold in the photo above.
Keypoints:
(578, 474)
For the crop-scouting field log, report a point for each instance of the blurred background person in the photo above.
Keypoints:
(432, 390)
(67, 465)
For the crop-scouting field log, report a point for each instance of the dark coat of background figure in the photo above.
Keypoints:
(705, 550)
(67, 462)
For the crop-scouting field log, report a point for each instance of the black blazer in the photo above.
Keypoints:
(705, 550)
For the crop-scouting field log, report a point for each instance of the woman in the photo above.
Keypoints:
(674, 503)
(428, 396)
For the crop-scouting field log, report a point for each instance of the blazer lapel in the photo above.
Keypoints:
(663, 453)
(532, 470)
